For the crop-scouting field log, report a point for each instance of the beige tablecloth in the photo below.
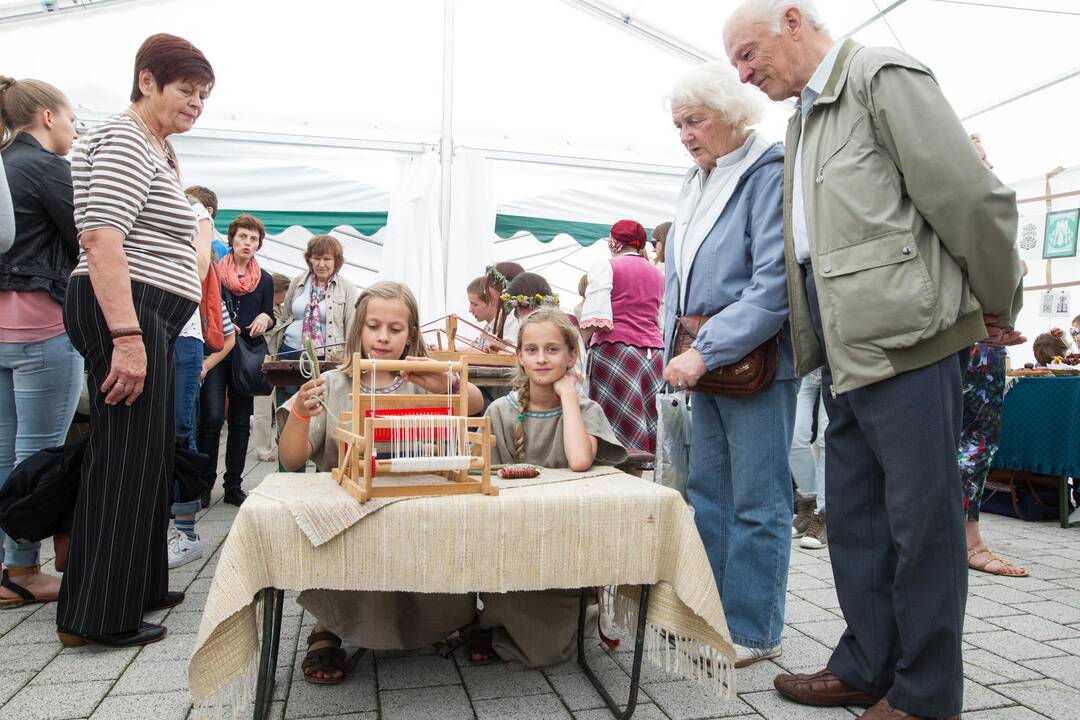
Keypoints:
(604, 529)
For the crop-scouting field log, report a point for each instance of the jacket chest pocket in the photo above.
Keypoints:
(879, 291)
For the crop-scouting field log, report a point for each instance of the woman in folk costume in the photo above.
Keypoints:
(725, 261)
(621, 321)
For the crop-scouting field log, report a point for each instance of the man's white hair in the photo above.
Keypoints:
(715, 85)
(774, 10)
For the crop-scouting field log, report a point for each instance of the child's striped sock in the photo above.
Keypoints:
(187, 527)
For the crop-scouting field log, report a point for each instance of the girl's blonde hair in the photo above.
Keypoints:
(384, 290)
(21, 101)
(570, 336)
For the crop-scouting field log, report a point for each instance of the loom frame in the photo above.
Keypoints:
(356, 449)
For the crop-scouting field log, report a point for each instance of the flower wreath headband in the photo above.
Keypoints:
(528, 301)
(497, 276)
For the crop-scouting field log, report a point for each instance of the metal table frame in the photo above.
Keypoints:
(273, 602)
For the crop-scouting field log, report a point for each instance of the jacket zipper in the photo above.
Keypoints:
(851, 134)
(825, 348)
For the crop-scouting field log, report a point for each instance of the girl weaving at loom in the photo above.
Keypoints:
(386, 327)
(544, 422)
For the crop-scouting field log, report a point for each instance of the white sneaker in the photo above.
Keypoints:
(182, 549)
(745, 656)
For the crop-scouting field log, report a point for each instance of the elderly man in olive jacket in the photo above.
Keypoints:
(900, 253)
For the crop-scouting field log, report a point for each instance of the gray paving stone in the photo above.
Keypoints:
(826, 632)
(490, 682)
(448, 702)
(1011, 646)
(823, 597)
(1070, 646)
(83, 668)
(414, 672)
(151, 677)
(642, 712)
(757, 677)
(12, 617)
(30, 632)
(974, 624)
(533, 707)
(356, 694)
(801, 651)
(990, 669)
(157, 706)
(183, 622)
(350, 716)
(28, 657)
(1065, 596)
(11, 682)
(801, 581)
(1065, 668)
(1035, 627)
(1046, 696)
(1003, 594)
(977, 697)
(1051, 610)
(175, 646)
(43, 702)
(579, 694)
(797, 610)
(650, 673)
(773, 706)
(983, 608)
(1015, 712)
(684, 700)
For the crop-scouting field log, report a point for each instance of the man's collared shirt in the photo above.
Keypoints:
(800, 235)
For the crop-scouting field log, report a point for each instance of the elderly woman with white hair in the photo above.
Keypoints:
(726, 291)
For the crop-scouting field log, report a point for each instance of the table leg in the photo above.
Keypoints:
(639, 652)
(273, 601)
(1063, 501)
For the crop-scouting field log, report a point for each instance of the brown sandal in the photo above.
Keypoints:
(991, 556)
(327, 659)
(24, 596)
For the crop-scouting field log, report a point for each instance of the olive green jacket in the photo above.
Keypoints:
(912, 239)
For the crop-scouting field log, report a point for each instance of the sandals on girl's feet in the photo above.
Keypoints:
(993, 563)
(327, 659)
(478, 648)
(22, 595)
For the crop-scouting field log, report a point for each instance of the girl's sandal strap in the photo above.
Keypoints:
(323, 636)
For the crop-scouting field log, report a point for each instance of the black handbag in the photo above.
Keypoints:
(247, 355)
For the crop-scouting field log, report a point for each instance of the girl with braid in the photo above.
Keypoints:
(545, 422)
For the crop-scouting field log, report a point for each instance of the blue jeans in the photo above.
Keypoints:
(189, 362)
(740, 487)
(39, 390)
(808, 470)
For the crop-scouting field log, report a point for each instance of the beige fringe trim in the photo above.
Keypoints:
(690, 657)
(235, 700)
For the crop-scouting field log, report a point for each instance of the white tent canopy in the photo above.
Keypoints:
(543, 109)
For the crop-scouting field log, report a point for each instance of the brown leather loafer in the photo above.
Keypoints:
(821, 688)
(882, 710)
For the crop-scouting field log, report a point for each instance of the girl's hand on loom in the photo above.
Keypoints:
(310, 396)
(432, 382)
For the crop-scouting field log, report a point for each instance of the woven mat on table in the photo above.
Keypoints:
(587, 530)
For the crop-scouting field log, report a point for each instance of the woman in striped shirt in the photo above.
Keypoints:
(136, 283)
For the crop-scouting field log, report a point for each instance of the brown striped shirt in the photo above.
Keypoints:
(121, 183)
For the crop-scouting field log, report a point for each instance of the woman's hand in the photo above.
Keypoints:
(259, 325)
(205, 369)
(685, 369)
(566, 386)
(127, 371)
(309, 400)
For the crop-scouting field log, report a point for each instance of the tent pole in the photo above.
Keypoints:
(446, 144)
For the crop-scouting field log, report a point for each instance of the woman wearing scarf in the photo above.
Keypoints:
(620, 321)
(724, 258)
(320, 303)
(249, 294)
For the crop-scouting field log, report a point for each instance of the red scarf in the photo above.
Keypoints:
(239, 285)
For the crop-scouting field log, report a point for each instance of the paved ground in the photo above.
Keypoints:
(1022, 655)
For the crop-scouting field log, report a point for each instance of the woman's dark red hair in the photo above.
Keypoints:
(170, 58)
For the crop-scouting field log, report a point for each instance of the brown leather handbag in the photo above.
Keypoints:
(747, 376)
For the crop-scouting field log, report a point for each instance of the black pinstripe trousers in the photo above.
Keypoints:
(118, 560)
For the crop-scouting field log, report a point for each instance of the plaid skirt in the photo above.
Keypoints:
(624, 379)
